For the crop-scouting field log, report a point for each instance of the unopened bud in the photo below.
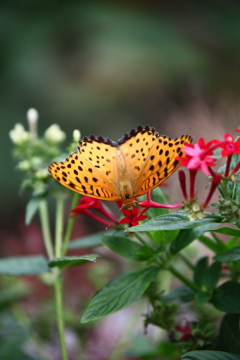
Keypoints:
(76, 135)
(32, 117)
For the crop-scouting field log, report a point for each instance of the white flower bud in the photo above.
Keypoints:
(24, 165)
(54, 134)
(18, 135)
(196, 207)
(76, 135)
(36, 161)
(42, 173)
(32, 117)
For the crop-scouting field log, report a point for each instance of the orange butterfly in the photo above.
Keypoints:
(141, 160)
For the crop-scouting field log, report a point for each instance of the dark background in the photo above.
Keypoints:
(104, 67)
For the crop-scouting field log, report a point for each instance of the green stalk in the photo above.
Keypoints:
(44, 218)
(58, 279)
(221, 245)
(215, 247)
(185, 280)
(70, 224)
(60, 317)
(186, 261)
(59, 226)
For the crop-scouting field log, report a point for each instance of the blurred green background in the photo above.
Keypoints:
(104, 67)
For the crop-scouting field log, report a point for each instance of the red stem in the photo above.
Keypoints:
(193, 174)
(228, 165)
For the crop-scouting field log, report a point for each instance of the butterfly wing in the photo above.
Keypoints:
(150, 158)
(90, 172)
(161, 162)
(135, 147)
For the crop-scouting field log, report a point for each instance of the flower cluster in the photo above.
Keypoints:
(201, 157)
(34, 153)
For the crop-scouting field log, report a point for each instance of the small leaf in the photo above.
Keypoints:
(119, 293)
(209, 355)
(127, 248)
(181, 294)
(32, 208)
(163, 236)
(226, 297)
(202, 297)
(200, 271)
(186, 237)
(229, 335)
(229, 255)
(24, 265)
(69, 261)
(227, 231)
(173, 221)
(213, 274)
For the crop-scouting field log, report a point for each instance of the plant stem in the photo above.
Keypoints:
(187, 261)
(58, 279)
(70, 224)
(60, 319)
(210, 244)
(44, 218)
(59, 226)
(185, 280)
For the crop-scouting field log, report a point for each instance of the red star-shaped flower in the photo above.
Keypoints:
(132, 217)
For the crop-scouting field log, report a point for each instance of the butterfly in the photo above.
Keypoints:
(141, 160)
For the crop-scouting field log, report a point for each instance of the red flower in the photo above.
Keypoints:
(132, 217)
(231, 146)
(185, 329)
(87, 203)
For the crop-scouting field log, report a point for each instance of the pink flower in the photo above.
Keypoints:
(198, 156)
(149, 203)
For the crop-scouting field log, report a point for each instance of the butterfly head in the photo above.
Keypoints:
(129, 204)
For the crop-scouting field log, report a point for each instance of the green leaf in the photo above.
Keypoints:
(227, 231)
(24, 265)
(209, 355)
(229, 255)
(181, 294)
(69, 261)
(32, 208)
(173, 221)
(229, 335)
(119, 293)
(226, 297)
(212, 276)
(186, 237)
(200, 271)
(87, 241)
(202, 297)
(163, 236)
(127, 248)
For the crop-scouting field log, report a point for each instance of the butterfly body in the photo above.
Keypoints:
(102, 169)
